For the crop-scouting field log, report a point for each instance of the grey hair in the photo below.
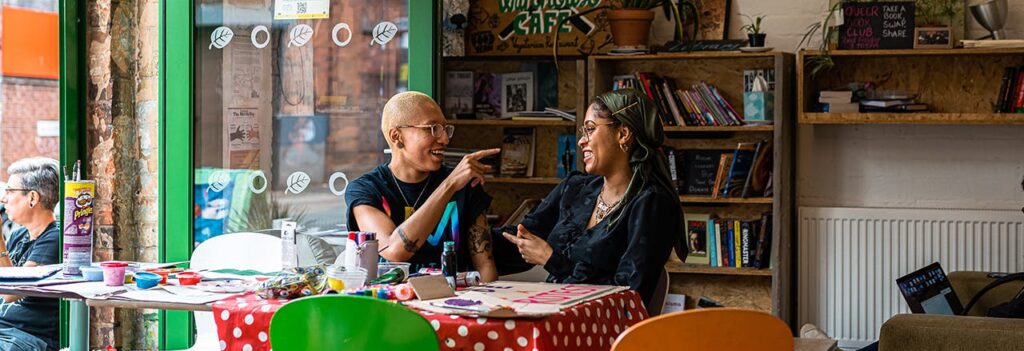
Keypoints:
(39, 174)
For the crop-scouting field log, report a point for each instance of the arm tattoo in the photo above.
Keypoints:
(407, 244)
(480, 240)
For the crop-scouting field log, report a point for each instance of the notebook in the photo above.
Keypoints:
(927, 290)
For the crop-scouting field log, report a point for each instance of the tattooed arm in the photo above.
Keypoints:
(480, 250)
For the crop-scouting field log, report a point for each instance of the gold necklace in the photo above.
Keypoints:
(603, 209)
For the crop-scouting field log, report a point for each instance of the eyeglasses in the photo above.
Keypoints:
(589, 127)
(3, 190)
(435, 129)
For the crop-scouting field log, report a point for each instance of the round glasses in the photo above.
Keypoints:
(589, 127)
(435, 129)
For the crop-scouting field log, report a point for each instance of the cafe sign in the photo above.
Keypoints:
(527, 27)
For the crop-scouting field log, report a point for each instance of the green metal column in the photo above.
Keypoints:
(72, 110)
(424, 24)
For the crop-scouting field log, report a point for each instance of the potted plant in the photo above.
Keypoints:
(829, 31)
(630, 20)
(753, 29)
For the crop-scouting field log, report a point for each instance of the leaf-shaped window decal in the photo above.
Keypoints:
(383, 33)
(297, 182)
(221, 37)
(300, 35)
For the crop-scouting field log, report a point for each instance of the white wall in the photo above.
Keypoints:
(977, 167)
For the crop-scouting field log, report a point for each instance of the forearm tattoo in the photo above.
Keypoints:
(407, 244)
(480, 240)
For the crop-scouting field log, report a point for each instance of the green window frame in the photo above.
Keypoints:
(177, 20)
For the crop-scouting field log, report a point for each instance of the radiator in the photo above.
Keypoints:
(849, 259)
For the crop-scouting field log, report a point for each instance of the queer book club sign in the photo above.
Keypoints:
(527, 27)
(877, 25)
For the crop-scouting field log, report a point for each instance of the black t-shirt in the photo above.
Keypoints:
(380, 189)
(33, 315)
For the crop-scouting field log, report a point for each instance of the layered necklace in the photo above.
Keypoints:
(603, 208)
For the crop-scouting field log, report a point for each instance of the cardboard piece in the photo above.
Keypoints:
(430, 287)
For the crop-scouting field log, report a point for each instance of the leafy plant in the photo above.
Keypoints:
(937, 12)
(264, 208)
(753, 25)
(829, 35)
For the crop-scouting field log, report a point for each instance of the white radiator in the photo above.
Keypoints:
(849, 259)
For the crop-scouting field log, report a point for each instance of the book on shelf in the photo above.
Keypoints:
(517, 93)
(724, 163)
(989, 43)
(452, 157)
(545, 83)
(458, 94)
(1011, 92)
(487, 95)
(566, 154)
(760, 171)
(697, 237)
(916, 107)
(548, 114)
(524, 208)
(735, 242)
(698, 170)
(517, 152)
(701, 105)
(834, 107)
(675, 167)
(742, 161)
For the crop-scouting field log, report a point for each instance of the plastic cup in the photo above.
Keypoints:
(340, 278)
(113, 273)
(385, 267)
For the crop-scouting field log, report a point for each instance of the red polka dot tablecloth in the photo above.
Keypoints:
(243, 324)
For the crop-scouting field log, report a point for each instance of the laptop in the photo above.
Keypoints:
(927, 290)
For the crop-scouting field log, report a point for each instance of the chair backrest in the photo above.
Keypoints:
(657, 303)
(342, 322)
(708, 329)
(260, 252)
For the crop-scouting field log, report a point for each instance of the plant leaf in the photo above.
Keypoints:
(221, 37)
(300, 35)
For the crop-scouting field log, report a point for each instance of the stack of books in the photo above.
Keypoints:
(702, 105)
(1011, 92)
(838, 101)
(729, 242)
(739, 173)
(900, 102)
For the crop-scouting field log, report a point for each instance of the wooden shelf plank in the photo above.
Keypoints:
(912, 118)
(721, 129)
(688, 55)
(532, 180)
(920, 52)
(725, 200)
(683, 268)
(508, 122)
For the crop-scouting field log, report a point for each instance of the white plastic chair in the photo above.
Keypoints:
(260, 252)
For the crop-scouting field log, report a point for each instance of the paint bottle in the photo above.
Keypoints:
(449, 263)
(468, 279)
(367, 255)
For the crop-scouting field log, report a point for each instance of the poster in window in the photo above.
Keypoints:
(301, 144)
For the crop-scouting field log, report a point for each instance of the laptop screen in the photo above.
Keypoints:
(928, 291)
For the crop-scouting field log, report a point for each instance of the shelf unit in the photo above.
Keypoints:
(763, 289)
(509, 192)
(970, 80)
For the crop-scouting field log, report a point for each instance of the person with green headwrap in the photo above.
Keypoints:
(618, 223)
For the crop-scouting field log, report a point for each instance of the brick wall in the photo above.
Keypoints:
(27, 101)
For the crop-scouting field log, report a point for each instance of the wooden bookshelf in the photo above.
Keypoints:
(762, 289)
(511, 123)
(912, 118)
(684, 268)
(533, 180)
(959, 85)
(688, 199)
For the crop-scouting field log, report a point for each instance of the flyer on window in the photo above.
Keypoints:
(301, 9)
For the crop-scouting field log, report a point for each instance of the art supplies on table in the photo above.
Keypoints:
(506, 299)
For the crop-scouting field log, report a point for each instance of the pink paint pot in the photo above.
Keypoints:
(113, 273)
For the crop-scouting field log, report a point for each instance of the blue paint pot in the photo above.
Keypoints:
(92, 273)
(146, 280)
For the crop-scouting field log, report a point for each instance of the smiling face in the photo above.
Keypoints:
(420, 147)
(600, 141)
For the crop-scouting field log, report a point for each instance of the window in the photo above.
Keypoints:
(288, 95)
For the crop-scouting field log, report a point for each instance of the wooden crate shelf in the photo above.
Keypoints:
(698, 129)
(689, 55)
(921, 52)
(912, 118)
(690, 199)
(684, 268)
(511, 123)
(532, 180)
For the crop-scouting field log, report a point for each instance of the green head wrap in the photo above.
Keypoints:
(636, 111)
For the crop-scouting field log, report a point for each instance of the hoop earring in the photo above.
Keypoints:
(31, 205)
(401, 145)
(624, 148)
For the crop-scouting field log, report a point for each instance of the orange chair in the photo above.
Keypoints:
(708, 329)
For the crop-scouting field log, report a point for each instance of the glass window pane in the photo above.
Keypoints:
(288, 98)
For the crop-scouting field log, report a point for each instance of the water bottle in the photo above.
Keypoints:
(449, 263)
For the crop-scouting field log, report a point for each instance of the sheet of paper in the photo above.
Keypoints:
(89, 290)
(38, 272)
(564, 295)
(482, 304)
(161, 295)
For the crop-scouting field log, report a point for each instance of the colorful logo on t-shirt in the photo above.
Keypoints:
(450, 216)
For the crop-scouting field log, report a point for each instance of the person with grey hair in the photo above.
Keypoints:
(30, 323)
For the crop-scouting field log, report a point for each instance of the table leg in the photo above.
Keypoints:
(78, 336)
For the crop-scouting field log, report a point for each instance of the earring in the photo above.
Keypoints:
(401, 145)
(31, 205)
(624, 148)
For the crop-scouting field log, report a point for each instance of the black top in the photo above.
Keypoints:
(33, 315)
(378, 189)
(633, 254)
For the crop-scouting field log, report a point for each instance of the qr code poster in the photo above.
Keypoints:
(301, 9)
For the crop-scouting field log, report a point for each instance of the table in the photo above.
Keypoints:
(243, 324)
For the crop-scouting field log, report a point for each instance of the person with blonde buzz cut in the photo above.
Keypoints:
(414, 202)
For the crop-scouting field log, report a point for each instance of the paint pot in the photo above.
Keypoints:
(163, 273)
(146, 280)
(113, 273)
(90, 273)
(340, 277)
(189, 278)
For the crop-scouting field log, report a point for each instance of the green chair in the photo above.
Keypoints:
(341, 322)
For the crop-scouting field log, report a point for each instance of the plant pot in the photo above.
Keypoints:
(630, 28)
(756, 40)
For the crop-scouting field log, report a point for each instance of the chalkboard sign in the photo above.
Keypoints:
(700, 168)
(877, 25)
(527, 27)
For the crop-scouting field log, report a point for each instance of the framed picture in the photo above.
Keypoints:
(932, 37)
